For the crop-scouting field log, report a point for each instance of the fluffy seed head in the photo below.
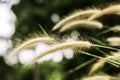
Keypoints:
(116, 28)
(97, 77)
(109, 10)
(114, 41)
(82, 23)
(75, 44)
(31, 43)
(73, 16)
(97, 66)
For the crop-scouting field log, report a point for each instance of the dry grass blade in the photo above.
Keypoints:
(81, 66)
(75, 44)
(31, 43)
(73, 16)
(82, 23)
(109, 10)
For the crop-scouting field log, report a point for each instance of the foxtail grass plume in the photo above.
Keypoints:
(99, 77)
(82, 23)
(31, 43)
(114, 41)
(73, 16)
(75, 44)
(116, 28)
(97, 66)
(110, 10)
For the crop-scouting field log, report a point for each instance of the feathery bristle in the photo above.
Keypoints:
(31, 43)
(75, 44)
(97, 66)
(82, 23)
(116, 28)
(99, 77)
(114, 41)
(73, 16)
(109, 10)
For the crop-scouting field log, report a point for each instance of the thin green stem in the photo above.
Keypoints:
(43, 30)
(97, 41)
(105, 31)
(81, 66)
(114, 63)
(86, 53)
(100, 51)
(96, 45)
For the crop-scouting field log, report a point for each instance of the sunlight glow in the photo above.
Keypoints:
(4, 46)
(40, 48)
(68, 53)
(7, 19)
(57, 56)
(55, 18)
(26, 55)
(11, 60)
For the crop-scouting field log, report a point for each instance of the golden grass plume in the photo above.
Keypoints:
(110, 10)
(73, 16)
(98, 65)
(31, 43)
(114, 41)
(82, 23)
(75, 44)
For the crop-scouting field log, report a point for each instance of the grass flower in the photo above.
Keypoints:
(114, 41)
(98, 65)
(75, 15)
(99, 77)
(31, 43)
(82, 23)
(116, 28)
(75, 44)
(56, 56)
(110, 10)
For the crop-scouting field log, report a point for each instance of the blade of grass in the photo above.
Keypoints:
(101, 51)
(114, 63)
(81, 66)
(105, 31)
(96, 45)
(97, 41)
(43, 30)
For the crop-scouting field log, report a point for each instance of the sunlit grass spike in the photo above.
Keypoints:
(75, 44)
(31, 43)
(114, 41)
(73, 16)
(97, 66)
(110, 10)
(82, 23)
